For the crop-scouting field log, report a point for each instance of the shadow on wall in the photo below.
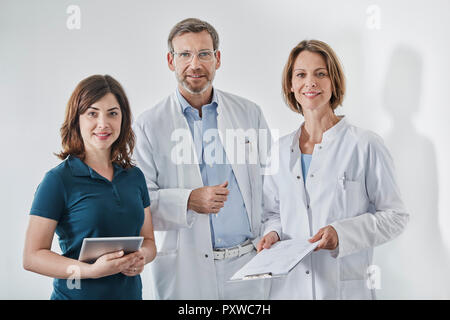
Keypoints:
(416, 264)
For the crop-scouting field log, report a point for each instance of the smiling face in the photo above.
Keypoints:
(100, 124)
(311, 83)
(194, 77)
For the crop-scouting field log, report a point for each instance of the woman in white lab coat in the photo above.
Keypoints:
(335, 186)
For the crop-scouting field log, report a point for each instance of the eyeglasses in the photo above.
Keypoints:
(187, 56)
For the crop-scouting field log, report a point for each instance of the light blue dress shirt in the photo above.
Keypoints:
(306, 161)
(230, 226)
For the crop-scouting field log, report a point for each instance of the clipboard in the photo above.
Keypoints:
(275, 262)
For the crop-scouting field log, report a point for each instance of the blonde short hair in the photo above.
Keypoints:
(334, 69)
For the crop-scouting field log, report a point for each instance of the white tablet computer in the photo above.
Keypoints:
(94, 248)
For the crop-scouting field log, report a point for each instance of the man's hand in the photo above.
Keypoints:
(328, 238)
(208, 199)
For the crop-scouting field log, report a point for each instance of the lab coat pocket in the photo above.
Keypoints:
(353, 278)
(252, 162)
(348, 198)
(251, 154)
(165, 282)
(353, 267)
(167, 242)
(354, 290)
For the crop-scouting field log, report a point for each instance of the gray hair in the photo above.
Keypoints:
(193, 25)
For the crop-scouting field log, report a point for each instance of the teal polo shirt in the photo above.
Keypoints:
(87, 205)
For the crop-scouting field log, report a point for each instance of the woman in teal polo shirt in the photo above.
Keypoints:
(95, 192)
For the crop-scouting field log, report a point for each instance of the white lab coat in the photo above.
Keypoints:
(351, 186)
(184, 267)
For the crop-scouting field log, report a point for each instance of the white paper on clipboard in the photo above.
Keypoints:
(277, 261)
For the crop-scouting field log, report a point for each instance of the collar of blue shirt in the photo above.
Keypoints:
(185, 105)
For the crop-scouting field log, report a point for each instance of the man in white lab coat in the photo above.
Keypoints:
(202, 151)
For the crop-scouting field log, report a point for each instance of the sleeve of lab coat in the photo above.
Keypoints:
(271, 207)
(168, 206)
(389, 220)
(270, 203)
(265, 142)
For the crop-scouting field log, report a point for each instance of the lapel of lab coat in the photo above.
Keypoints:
(188, 175)
(295, 166)
(224, 122)
(295, 162)
(190, 172)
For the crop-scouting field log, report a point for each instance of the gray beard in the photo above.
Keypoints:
(185, 85)
(202, 90)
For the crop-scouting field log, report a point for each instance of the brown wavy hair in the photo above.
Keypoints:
(87, 92)
(334, 69)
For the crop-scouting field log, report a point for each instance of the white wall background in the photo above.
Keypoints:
(397, 86)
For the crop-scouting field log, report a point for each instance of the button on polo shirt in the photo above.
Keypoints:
(87, 205)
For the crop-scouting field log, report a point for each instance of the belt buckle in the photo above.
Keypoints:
(244, 250)
(228, 253)
(239, 250)
(236, 251)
